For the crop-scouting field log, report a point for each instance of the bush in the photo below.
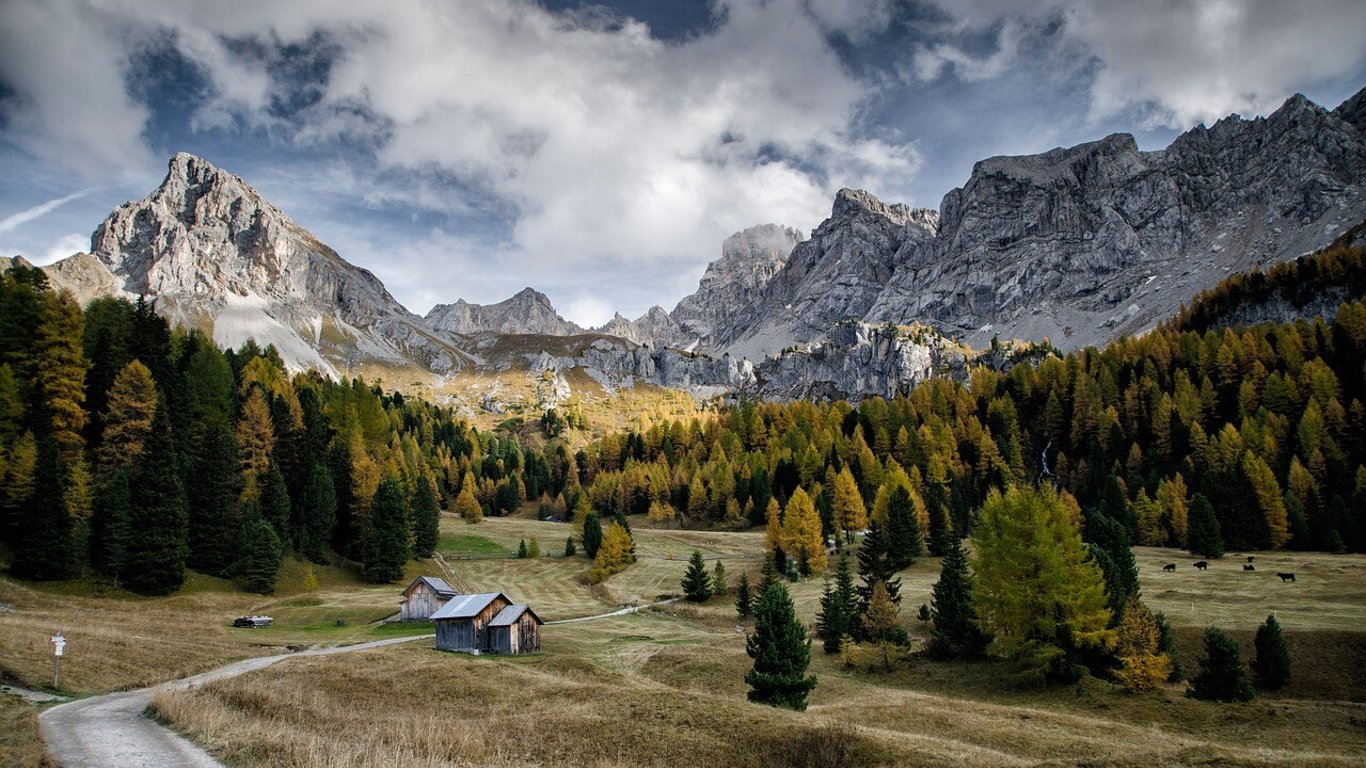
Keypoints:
(1221, 675)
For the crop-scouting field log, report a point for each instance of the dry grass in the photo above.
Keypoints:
(21, 746)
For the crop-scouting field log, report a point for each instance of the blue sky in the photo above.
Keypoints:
(601, 152)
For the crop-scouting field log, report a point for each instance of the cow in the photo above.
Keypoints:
(1202, 565)
(1249, 567)
(1169, 567)
(1249, 558)
(1286, 576)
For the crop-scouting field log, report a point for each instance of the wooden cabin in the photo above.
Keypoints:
(516, 629)
(424, 597)
(462, 623)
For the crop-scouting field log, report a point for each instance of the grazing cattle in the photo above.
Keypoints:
(1249, 558)
(1249, 567)
(1202, 565)
(1169, 567)
(1286, 576)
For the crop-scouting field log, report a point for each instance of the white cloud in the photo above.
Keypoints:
(587, 310)
(930, 61)
(62, 247)
(38, 211)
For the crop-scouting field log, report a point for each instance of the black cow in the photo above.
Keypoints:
(1286, 576)
(1249, 558)
(1202, 565)
(1249, 567)
(1169, 567)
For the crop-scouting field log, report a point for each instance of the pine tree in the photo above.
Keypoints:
(718, 580)
(317, 514)
(274, 503)
(110, 532)
(903, 529)
(43, 547)
(839, 610)
(569, 550)
(941, 532)
(426, 519)
(158, 545)
(132, 404)
(592, 535)
(260, 563)
(781, 653)
(212, 489)
(1272, 662)
(1205, 538)
(1139, 649)
(1034, 589)
(385, 547)
(744, 601)
(696, 581)
(881, 623)
(19, 473)
(875, 565)
(955, 632)
(1221, 675)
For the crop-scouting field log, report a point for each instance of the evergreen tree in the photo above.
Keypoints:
(158, 545)
(592, 535)
(20, 468)
(426, 519)
(1036, 593)
(839, 610)
(743, 599)
(1205, 538)
(60, 367)
(941, 532)
(341, 466)
(1167, 644)
(955, 632)
(569, 550)
(1139, 649)
(1109, 546)
(1272, 662)
(874, 565)
(903, 529)
(521, 550)
(719, 587)
(274, 503)
(1221, 675)
(781, 653)
(43, 548)
(110, 532)
(768, 574)
(385, 542)
(260, 563)
(881, 623)
(317, 514)
(696, 581)
(213, 486)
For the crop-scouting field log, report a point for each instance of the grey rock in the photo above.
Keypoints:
(526, 312)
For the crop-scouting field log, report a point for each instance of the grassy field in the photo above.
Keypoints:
(665, 686)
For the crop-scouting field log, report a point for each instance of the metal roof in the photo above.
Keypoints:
(509, 615)
(466, 606)
(435, 583)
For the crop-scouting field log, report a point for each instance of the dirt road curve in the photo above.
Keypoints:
(110, 732)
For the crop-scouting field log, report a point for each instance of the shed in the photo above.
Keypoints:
(423, 598)
(516, 629)
(462, 623)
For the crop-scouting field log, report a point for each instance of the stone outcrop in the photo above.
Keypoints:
(527, 312)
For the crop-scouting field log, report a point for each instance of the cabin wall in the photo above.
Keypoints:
(422, 602)
(455, 635)
(527, 633)
(501, 640)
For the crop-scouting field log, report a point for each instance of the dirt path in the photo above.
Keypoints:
(110, 731)
(619, 612)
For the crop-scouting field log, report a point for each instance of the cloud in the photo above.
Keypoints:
(930, 61)
(62, 247)
(38, 211)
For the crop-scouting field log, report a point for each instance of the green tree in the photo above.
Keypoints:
(744, 601)
(1167, 644)
(158, 546)
(781, 653)
(1271, 665)
(956, 632)
(881, 623)
(839, 611)
(44, 548)
(1036, 592)
(592, 535)
(60, 370)
(903, 529)
(274, 503)
(1109, 546)
(521, 550)
(569, 550)
(534, 548)
(385, 543)
(212, 489)
(875, 565)
(1221, 675)
(1205, 538)
(426, 519)
(696, 581)
(317, 513)
(719, 587)
(1139, 649)
(110, 533)
(260, 563)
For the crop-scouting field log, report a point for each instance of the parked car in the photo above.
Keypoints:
(252, 621)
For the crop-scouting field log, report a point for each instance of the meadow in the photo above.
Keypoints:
(665, 686)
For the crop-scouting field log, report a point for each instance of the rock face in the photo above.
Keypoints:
(214, 254)
(730, 292)
(526, 312)
(655, 328)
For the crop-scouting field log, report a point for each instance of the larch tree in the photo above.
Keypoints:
(1265, 492)
(850, 513)
(386, 540)
(255, 437)
(467, 506)
(781, 653)
(132, 404)
(60, 369)
(801, 534)
(1143, 664)
(881, 623)
(1036, 592)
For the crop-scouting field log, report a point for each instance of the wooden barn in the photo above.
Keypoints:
(516, 629)
(424, 597)
(462, 623)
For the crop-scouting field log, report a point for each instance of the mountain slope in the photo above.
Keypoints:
(528, 311)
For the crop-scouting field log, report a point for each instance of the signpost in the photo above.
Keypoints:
(58, 643)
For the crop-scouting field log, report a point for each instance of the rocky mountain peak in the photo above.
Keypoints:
(526, 312)
(851, 203)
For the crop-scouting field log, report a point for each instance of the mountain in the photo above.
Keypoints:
(1080, 245)
(215, 255)
(526, 312)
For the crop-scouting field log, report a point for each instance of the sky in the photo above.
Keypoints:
(601, 152)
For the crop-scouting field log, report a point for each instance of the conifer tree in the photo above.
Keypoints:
(881, 623)
(1221, 675)
(158, 545)
(1109, 546)
(317, 514)
(719, 587)
(801, 534)
(43, 547)
(426, 519)
(1167, 644)
(743, 599)
(255, 436)
(696, 581)
(521, 550)
(839, 611)
(385, 542)
(1205, 538)
(1139, 649)
(569, 549)
(274, 504)
(941, 532)
(260, 564)
(768, 574)
(339, 463)
(19, 472)
(132, 404)
(110, 532)
(903, 529)
(850, 513)
(467, 506)
(592, 535)
(1271, 665)
(956, 632)
(1035, 591)
(213, 486)
(874, 565)
(781, 653)
(60, 367)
